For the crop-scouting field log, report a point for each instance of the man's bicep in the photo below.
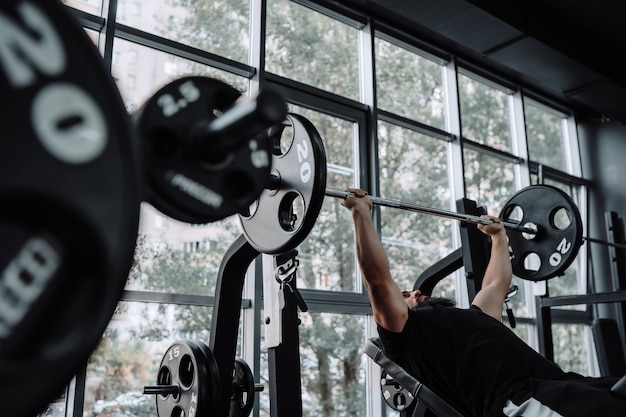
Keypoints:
(388, 306)
(490, 299)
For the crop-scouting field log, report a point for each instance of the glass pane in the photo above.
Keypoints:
(545, 134)
(140, 71)
(332, 366)
(517, 303)
(177, 257)
(489, 181)
(484, 114)
(523, 331)
(130, 352)
(90, 6)
(409, 84)
(570, 349)
(327, 255)
(413, 168)
(312, 48)
(56, 408)
(446, 288)
(221, 27)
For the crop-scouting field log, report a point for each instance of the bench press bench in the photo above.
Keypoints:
(426, 399)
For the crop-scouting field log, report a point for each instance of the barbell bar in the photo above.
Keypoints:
(433, 211)
(604, 242)
(286, 211)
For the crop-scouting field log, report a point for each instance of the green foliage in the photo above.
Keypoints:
(311, 48)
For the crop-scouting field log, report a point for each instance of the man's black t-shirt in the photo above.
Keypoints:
(471, 359)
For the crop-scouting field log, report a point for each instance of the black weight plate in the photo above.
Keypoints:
(182, 181)
(283, 217)
(192, 367)
(395, 395)
(211, 386)
(552, 250)
(70, 201)
(242, 397)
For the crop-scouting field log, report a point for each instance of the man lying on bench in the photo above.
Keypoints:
(468, 356)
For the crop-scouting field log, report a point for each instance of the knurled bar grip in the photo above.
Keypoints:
(430, 210)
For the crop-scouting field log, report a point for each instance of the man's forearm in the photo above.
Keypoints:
(371, 254)
(499, 269)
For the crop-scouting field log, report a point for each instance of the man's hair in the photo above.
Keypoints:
(436, 302)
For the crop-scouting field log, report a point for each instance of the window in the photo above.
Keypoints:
(220, 27)
(130, 82)
(419, 79)
(485, 112)
(312, 48)
(413, 167)
(160, 222)
(545, 131)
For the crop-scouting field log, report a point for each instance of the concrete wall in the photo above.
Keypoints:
(603, 154)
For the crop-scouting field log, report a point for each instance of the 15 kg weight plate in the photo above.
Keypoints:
(191, 367)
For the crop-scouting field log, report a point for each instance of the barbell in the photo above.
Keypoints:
(545, 222)
(403, 205)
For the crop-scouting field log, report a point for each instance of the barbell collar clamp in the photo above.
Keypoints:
(245, 119)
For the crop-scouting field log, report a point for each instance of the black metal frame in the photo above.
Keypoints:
(284, 360)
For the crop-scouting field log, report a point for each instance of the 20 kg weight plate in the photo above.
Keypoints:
(552, 250)
(70, 201)
(284, 214)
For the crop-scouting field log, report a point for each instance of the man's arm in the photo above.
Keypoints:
(498, 275)
(390, 310)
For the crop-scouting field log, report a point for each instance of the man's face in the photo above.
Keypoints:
(414, 298)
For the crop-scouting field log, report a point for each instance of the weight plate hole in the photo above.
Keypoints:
(514, 214)
(291, 211)
(532, 262)
(177, 412)
(163, 143)
(530, 236)
(250, 210)
(186, 371)
(399, 400)
(164, 377)
(561, 218)
(283, 140)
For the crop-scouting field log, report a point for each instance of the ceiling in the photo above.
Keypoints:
(573, 51)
